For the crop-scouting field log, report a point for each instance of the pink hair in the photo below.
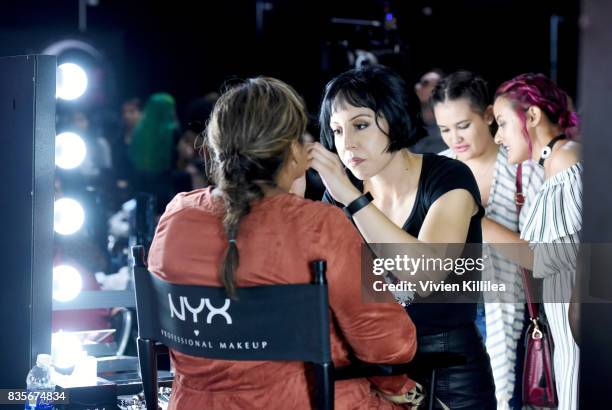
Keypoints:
(527, 90)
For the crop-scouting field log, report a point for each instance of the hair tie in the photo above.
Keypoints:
(232, 241)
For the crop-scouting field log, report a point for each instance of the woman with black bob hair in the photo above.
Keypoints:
(411, 200)
(386, 95)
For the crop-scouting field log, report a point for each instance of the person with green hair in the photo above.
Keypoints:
(153, 139)
(152, 151)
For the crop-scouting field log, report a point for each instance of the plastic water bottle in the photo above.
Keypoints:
(40, 385)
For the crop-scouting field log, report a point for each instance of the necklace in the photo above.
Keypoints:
(547, 150)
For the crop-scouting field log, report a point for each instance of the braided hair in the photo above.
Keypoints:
(249, 137)
(538, 90)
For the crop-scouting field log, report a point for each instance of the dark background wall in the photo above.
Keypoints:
(188, 48)
(596, 96)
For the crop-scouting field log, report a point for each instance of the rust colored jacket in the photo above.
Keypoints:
(276, 241)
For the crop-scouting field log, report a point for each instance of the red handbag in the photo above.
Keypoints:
(538, 377)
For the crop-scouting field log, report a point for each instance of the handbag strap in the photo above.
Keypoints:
(519, 199)
(531, 306)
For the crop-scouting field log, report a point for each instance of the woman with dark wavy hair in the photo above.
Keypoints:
(248, 230)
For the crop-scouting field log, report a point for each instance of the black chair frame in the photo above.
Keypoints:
(325, 372)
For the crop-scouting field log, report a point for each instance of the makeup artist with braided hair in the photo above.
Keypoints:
(248, 230)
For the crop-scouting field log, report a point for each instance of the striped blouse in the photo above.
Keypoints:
(557, 209)
(553, 227)
(501, 206)
(553, 230)
(504, 311)
(502, 209)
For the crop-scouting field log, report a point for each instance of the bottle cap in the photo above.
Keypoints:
(43, 360)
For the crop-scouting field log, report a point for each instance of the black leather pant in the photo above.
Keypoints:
(469, 386)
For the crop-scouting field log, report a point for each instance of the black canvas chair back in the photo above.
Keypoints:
(279, 322)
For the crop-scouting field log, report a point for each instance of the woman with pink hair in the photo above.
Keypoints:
(536, 122)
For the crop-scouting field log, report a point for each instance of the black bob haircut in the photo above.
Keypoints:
(375, 87)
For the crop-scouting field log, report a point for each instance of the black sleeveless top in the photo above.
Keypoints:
(439, 175)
